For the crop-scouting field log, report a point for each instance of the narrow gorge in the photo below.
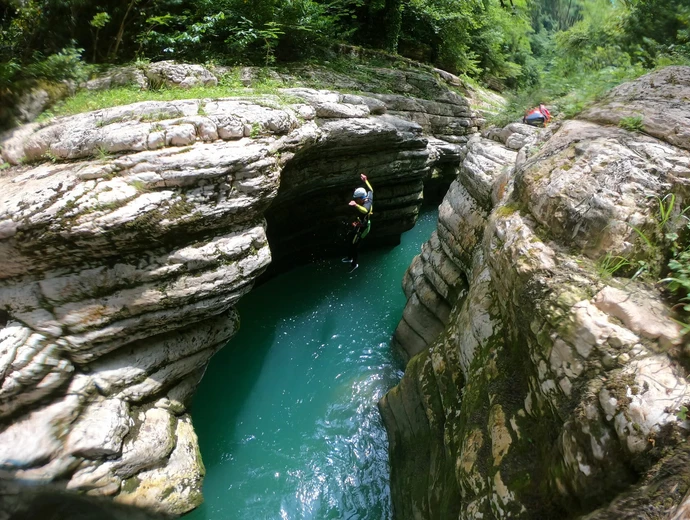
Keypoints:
(537, 385)
(128, 235)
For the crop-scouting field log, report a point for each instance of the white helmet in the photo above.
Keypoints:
(360, 193)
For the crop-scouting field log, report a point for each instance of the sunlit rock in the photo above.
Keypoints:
(553, 388)
(128, 234)
(169, 73)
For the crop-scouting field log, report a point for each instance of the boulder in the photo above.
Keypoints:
(514, 135)
(175, 487)
(32, 103)
(100, 430)
(184, 75)
(656, 102)
(119, 77)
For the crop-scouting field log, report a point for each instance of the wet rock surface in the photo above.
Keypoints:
(537, 385)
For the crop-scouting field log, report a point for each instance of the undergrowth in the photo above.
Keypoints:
(566, 96)
(678, 279)
(673, 233)
(229, 85)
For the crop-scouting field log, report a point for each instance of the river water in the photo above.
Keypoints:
(286, 413)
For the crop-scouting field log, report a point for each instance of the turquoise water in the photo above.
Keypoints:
(286, 413)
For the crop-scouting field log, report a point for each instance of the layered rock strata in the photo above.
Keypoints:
(539, 385)
(128, 234)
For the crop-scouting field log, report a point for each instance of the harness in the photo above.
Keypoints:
(364, 221)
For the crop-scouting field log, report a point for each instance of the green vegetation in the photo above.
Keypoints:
(678, 269)
(507, 210)
(610, 264)
(581, 49)
(51, 156)
(632, 123)
(470, 36)
(140, 186)
(102, 154)
(87, 100)
(665, 252)
(562, 52)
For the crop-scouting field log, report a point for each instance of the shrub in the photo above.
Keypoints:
(66, 64)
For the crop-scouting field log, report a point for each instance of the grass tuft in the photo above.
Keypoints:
(632, 123)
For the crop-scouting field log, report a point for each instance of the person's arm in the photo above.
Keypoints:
(366, 181)
(361, 209)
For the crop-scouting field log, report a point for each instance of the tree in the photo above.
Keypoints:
(98, 21)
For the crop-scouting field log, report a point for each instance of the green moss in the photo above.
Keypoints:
(195, 499)
(180, 208)
(146, 224)
(156, 116)
(571, 295)
(167, 492)
(111, 206)
(112, 121)
(507, 210)
(130, 485)
(140, 186)
(618, 384)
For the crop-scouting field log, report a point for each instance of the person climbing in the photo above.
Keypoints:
(362, 201)
(538, 116)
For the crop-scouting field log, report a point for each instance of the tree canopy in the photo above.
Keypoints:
(505, 43)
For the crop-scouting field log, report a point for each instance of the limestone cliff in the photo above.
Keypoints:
(128, 234)
(539, 386)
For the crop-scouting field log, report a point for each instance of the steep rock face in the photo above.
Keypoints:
(126, 248)
(539, 387)
(438, 277)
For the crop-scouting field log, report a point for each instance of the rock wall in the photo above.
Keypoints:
(128, 234)
(538, 385)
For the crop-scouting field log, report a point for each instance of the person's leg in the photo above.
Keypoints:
(354, 251)
(351, 236)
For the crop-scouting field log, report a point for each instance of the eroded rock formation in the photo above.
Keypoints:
(538, 386)
(128, 234)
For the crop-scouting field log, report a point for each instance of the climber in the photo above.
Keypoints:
(362, 201)
(538, 116)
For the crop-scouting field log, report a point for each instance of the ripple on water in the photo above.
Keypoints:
(286, 414)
